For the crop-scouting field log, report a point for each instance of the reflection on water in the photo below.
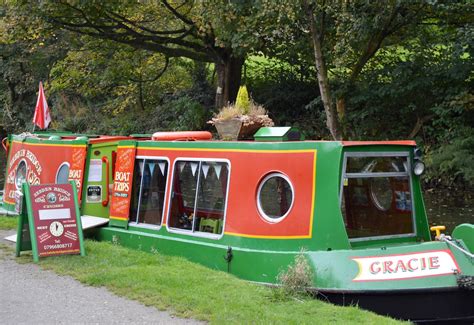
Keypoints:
(449, 208)
(443, 207)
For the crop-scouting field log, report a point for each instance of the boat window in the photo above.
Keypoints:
(376, 195)
(148, 191)
(199, 196)
(20, 176)
(62, 176)
(274, 197)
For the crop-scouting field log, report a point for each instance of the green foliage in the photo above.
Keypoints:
(243, 101)
(287, 91)
(8, 222)
(452, 163)
(28, 49)
(182, 113)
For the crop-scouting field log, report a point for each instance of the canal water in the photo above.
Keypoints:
(447, 207)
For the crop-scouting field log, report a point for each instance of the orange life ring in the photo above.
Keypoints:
(182, 136)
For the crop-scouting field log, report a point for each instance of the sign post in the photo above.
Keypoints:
(50, 223)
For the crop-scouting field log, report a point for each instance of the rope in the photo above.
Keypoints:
(448, 241)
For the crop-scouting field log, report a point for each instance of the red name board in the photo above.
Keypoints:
(53, 218)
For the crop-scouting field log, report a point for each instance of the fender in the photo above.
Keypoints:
(182, 136)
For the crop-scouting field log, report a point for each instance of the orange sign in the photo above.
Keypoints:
(123, 177)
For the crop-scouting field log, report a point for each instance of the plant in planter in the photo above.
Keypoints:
(242, 119)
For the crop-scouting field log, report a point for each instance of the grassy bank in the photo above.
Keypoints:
(190, 290)
(8, 222)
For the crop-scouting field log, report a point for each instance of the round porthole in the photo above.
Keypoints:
(62, 176)
(20, 176)
(275, 197)
(381, 193)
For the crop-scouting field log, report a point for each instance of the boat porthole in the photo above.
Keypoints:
(275, 197)
(62, 176)
(20, 177)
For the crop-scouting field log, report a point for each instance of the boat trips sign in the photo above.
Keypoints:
(406, 266)
(53, 221)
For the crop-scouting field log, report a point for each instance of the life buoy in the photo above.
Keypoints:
(182, 136)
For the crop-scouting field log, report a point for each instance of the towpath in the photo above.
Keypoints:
(30, 295)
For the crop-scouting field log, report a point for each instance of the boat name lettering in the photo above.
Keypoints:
(405, 266)
(411, 265)
(30, 156)
(42, 190)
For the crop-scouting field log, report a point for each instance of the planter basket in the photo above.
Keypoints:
(234, 129)
(228, 129)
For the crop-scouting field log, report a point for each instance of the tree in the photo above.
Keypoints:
(172, 29)
(27, 54)
(354, 32)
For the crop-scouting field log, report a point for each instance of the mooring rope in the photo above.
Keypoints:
(450, 242)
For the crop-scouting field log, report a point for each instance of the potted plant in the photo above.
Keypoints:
(241, 119)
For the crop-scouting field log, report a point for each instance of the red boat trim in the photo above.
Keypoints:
(379, 143)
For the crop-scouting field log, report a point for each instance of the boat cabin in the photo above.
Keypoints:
(340, 193)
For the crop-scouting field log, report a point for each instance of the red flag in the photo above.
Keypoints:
(42, 117)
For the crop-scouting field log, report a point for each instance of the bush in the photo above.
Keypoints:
(452, 163)
(297, 279)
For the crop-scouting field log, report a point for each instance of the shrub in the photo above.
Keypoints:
(297, 278)
(243, 102)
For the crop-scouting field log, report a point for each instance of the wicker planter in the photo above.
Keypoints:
(240, 128)
(228, 129)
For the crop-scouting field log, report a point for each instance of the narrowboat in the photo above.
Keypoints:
(354, 209)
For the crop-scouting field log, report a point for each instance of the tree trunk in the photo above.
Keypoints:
(332, 121)
(229, 76)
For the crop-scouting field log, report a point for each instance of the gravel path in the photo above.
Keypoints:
(30, 295)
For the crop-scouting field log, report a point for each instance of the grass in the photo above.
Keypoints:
(8, 222)
(190, 290)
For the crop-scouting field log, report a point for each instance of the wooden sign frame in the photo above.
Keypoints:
(27, 232)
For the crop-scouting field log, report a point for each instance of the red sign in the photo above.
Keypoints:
(40, 163)
(123, 177)
(55, 220)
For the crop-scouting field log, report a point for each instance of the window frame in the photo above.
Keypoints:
(65, 163)
(19, 187)
(193, 232)
(408, 173)
(262, 213)
(147, 225)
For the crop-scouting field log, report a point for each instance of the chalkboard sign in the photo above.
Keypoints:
(50, 223)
